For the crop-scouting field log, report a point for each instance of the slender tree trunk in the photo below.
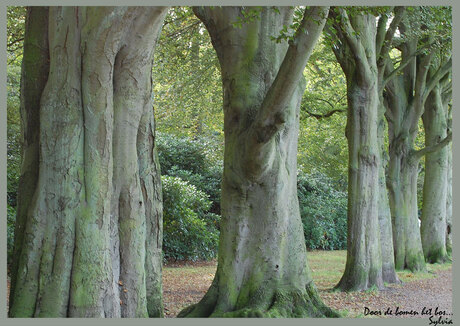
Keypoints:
(262, 268)
(386, 233)
(433, 224)
(85, 251)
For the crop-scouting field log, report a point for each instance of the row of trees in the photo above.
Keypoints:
(89, 223)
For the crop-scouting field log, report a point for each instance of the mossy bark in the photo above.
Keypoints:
(386, 233)
(262, 268)
(405, 97)
(358, 58)
(85, 250)
(34, 74)
(433, 221)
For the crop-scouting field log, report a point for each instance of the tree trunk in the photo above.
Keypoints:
(262, 268)
(386, 233)
(34, 74)
(433, 224)
(93, 226)
(402, 183)
(358, 58)
(402, 178)
(364, 261)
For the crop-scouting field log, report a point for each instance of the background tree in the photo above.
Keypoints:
(262, 268)
(405, 97)
(358, 43)
(434, 213)
(89, 240)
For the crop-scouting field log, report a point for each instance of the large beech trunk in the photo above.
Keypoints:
(402, 183)
(433, 222)
(262, 268)
(369, 246)
(91, 243)
(364, 260)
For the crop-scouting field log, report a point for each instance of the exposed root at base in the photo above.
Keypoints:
(284, 304)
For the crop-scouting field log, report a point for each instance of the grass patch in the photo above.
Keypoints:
(408, 276)
(185, 283)
(327, 267)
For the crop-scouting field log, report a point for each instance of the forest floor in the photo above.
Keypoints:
(185, 283)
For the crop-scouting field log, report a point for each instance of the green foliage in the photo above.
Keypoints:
(323, 210)
(15, 37)
(192, 173)
(11, 220)
(197, 161)
(322, 144)
(187, 81)
(13, 132)
(189, 229)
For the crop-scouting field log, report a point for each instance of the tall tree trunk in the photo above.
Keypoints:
(85, 250)
(364, 261)
(34, 74)
(404, 98)
(402, 183)
(358, 58)
(386, 233)
(262, 268)
(433, 224)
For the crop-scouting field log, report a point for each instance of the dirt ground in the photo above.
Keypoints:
(185, 283)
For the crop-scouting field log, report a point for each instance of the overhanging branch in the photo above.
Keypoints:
(325, 115)
(433, 148)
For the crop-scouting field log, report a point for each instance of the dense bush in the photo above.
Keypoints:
(189, 229)
(197, 161)
(323, 210)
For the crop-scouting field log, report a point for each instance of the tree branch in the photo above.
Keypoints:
(325, 115)
(272, 113)
(393, 73)
(388, 41)
(433, 148)
(438, 75)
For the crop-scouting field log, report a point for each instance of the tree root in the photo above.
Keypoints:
(281, 304)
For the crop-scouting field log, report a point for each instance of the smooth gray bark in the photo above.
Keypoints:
(93, 228)
(405, 97)
(386, 233)
(434, 221)
(359, 43)
(262, 268)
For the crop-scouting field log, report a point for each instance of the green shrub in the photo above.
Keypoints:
(189, 229)
(195, 161)
(323, 210)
